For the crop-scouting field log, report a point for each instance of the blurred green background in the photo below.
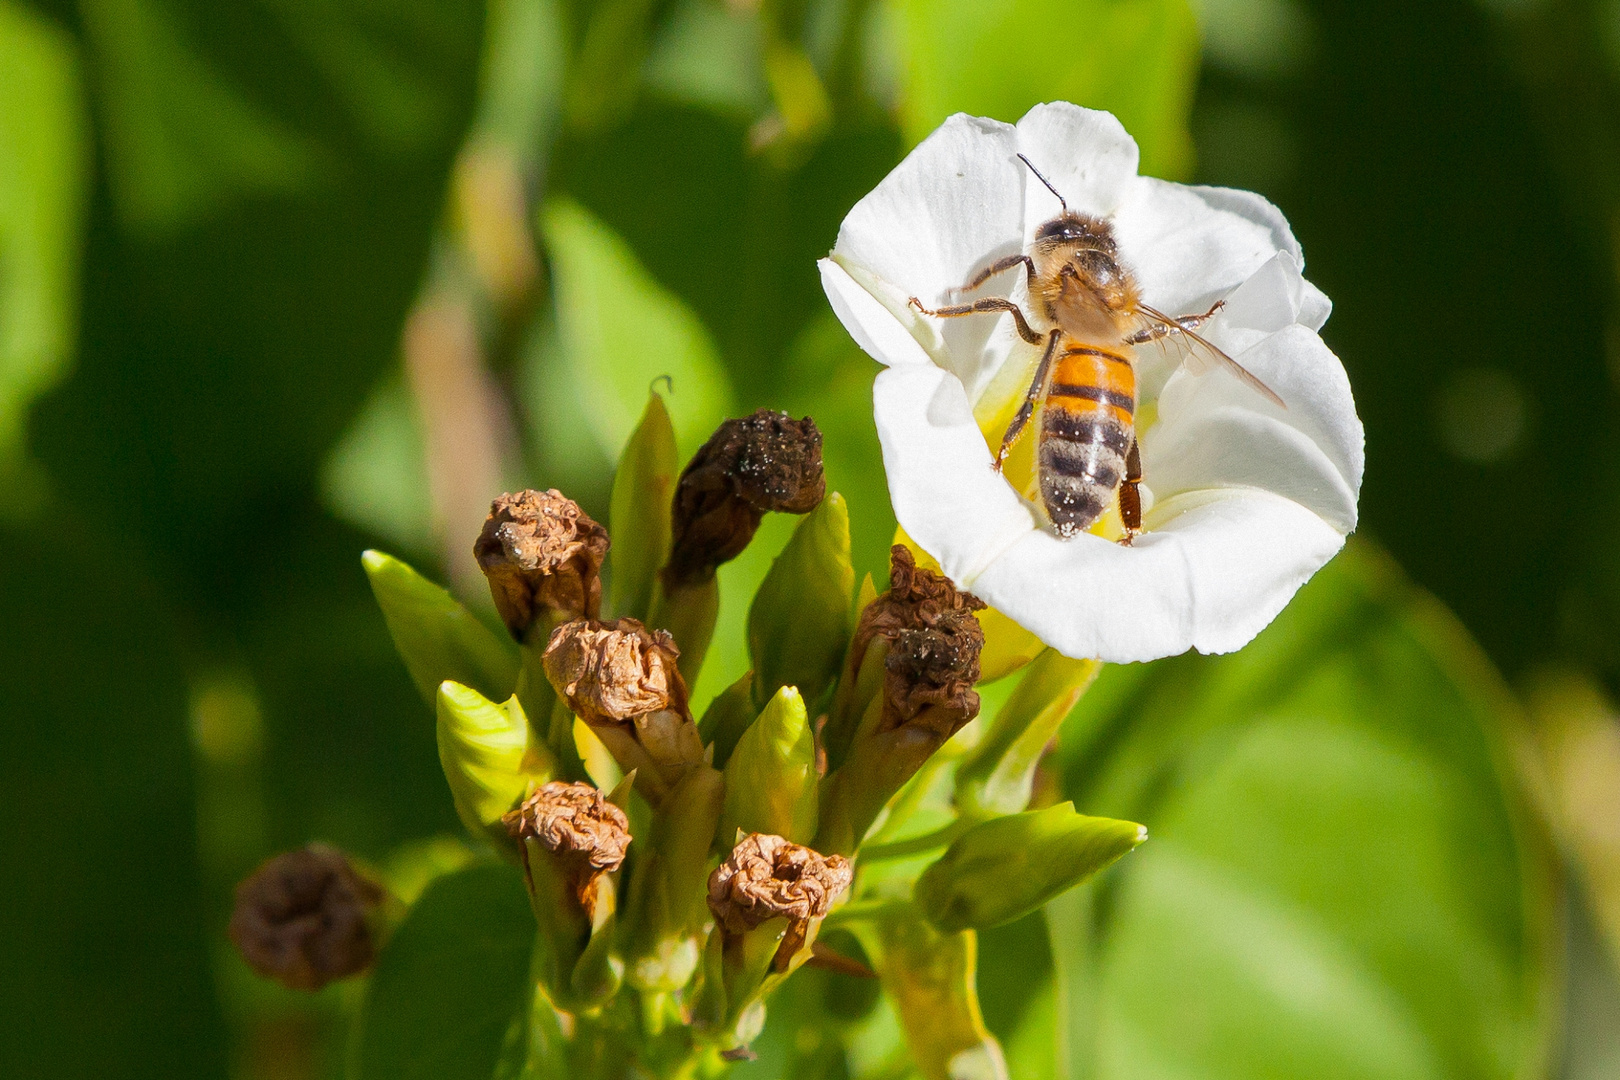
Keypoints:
(284, 279)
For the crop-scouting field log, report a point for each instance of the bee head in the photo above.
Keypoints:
(1072, 228)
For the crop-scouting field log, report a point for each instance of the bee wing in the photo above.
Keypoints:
(1199, 356)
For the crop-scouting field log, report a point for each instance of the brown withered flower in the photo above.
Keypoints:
(541, 553)
(934, 645)
(302, 918)
(759, 464)
(622, 679)
(577, 824)
(768, 877)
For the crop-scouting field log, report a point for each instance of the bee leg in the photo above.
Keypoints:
(1130, 495)
(1036, 386)
(1183, 322)
(989, 303)
(997, 267)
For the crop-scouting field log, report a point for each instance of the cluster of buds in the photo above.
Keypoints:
(680, 867)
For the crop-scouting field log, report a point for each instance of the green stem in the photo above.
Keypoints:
(916, 845)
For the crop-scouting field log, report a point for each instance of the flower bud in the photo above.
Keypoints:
(543, 556)
(798, 624)
(1007, 867)
(925, 631)
(491, 758)
(768, 877)
(643, 487)
(999, 776)
(587, 833)
(624, 682)
(303, 918)
(437, 637)
(771, 777)
(572, 838)
(750, 466)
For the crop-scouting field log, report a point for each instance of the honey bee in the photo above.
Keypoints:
(1085, 384)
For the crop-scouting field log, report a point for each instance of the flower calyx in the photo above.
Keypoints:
(751, 466)
(768, 877)
(542, 555)
(578, 825)
(623, 680)
(303, 918)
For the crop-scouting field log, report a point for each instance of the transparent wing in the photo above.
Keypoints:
(1199, 356)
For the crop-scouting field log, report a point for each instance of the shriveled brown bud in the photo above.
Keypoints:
(578, 825)
(934, 645)
(768, 877)
(767, 462)
(302, 918)
(622, 679)
(541, 553)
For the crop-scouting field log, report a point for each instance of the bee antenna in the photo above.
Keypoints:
(1045, 181)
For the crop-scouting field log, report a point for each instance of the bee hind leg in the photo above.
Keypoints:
(1130, 495)
(1184, 322)
(1037, 386)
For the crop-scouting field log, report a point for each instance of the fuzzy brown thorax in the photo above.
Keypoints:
(1080, 283)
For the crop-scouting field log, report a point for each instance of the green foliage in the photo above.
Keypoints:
(453, 983)
(798, 624)
(999, 776)
(620, 331)
(43, 149)
(439, 639)
(1003, 869)
(1135, 58)
(1344, 879)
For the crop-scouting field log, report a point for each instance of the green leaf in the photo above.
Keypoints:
(639, 521)
(439, 639)
(1136, 58)
(1002, 869)
(491, 758)
(451, 982)
(727, 717)
(1345, 880)
(771, 776)
(667, 908)
(620, 331)
(44, 158)
(798, 624)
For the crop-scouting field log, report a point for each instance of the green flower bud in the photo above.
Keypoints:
(1004, 868)
(665, 915)
(642, 490)
(491, 759)
(771, 777)
(798, 624)
(439, 639)
(1000, 775)
(727, 717)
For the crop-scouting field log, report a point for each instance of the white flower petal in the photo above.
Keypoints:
(944, 493)
(1186, 251)
(1210, 577)
(1086, 154)
(874, 326)
(1215, 432)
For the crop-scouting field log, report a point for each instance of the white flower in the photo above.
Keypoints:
(1244, 500)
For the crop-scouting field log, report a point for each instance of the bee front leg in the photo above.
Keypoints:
(1130, 494)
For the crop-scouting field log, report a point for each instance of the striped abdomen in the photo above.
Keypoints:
(1087, 423)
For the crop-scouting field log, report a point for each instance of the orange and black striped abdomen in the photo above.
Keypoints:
(1087, 422)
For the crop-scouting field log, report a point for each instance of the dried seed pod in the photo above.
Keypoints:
(623, 680)
(302, 918)
(577, 824)
(767, 877)
(541, 553)
(934, 645)
(767, 462)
